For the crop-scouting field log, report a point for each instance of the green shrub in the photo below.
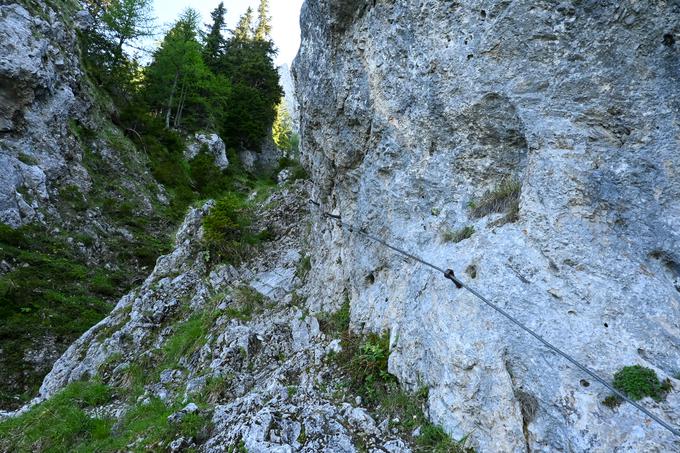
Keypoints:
(458, 235)
(227, 228)
(503, 198)
(208, 180)
(364, 359)
(636, 382)
(336, 323)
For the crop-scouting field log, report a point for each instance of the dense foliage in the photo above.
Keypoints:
(195, 80)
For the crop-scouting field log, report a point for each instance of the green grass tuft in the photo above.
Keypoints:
(187, 338)
(458, 235)
(247, 303)
(60, 424)
(337, 323)
(503, 198)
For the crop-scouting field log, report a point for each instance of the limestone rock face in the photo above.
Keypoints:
(412, 111)
(264, 161)
(62, 161)
(39, 79)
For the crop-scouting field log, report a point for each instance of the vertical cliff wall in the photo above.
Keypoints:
(533, 147)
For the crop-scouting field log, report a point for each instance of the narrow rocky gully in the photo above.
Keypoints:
(262, 363)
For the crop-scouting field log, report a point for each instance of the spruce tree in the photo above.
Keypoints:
(177, 80)
(214, 41)
(264, 26)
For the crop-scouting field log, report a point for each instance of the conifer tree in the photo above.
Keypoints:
(127, 21)
(244, 28)
(179, 85)
(214, 41)
(264, 26)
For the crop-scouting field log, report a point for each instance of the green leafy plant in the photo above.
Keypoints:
(364, 360)
(227, 227)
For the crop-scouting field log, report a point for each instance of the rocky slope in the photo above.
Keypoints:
(238, 347)
(533, 148)
(82, 215)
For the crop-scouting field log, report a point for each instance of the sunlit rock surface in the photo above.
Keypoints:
(411, 111)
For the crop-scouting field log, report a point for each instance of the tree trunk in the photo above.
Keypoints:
(180, 105)
(168, 113)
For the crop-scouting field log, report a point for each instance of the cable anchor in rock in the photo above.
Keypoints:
(452, 276)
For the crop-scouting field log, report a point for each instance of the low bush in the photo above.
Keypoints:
(228, 234)
(207, 179)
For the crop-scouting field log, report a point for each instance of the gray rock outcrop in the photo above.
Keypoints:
(264, 161)
(271, 366)
(38, 85)
(413, 111)
(65, 168)
(213, 145)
